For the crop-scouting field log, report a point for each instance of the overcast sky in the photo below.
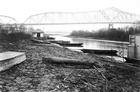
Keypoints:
(21, 9)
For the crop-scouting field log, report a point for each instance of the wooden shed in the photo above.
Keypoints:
(38, 33)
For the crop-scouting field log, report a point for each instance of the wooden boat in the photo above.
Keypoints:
(132, 60)
(75, 63)
(71, 44)
(67, 61)
(36, 41)
(59, 41)
(100, 52)
(66, 43)
(52, 38)
(10, 58)
(40, 41)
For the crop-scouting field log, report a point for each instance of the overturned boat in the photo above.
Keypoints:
(68, 62)
(10, 58)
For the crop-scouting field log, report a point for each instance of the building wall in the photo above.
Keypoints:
(41, 35)
(34, 35)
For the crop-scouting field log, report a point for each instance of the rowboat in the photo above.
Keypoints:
(40, 41)
(132, 60)
(10, 58)
(100, 52)
(68, 62)
(36, 41)
(67, 43)
(50, 38)
(59, 41)
(71, 44)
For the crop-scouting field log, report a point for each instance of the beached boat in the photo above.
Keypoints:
(59, 41)
(10, 58)
(132, 60)
(71, 44)
(76, 63)
(40, 41)
(66, 43)
(100, 52)
(52, 38)
(68, 62)
(36, 41)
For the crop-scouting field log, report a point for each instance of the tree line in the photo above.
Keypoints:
(116, 34)
(13, 33)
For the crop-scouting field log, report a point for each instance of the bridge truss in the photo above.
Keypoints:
(107, 16)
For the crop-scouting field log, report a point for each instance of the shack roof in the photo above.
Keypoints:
(38, 31)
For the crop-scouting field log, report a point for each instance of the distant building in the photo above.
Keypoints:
(38, 33)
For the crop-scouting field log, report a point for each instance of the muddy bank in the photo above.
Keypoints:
(35, 76)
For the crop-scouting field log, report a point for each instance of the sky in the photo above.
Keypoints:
(22, 9)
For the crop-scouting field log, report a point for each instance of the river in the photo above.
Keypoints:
(121, 47)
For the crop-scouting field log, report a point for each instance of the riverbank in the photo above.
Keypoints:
(35, 76)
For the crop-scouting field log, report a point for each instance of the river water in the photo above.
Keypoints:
(88, 43)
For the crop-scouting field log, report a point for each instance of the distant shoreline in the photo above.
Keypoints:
(103, 34)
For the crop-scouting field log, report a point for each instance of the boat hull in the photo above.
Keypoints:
(9, 59)
(71, 44)
(100, 52)
(132, 60)
(40, 41)
(68, 62)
